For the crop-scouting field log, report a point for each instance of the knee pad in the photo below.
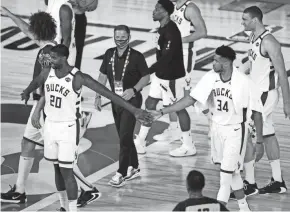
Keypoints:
(237, 182)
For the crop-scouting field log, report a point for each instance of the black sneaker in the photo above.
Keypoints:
(13, 197)
(61, 209)
(274, 187)
(88, 197)
(249, 190)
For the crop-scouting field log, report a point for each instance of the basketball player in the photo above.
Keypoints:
(64, 12)
(44, 37)
(228, 94)
(169, 69)
(191, 25)
(197, 202)
(62, 88)
(267, 70)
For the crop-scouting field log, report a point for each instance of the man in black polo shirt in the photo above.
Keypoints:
(128, 73)
(169, 69)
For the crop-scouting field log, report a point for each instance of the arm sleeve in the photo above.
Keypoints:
(171, 44)
(142, 65)
(105, 62)
(179, 207)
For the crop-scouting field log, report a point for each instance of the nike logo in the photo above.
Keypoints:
(94, 196)
(51, 76)
(16, 197)
(217, 80)
(237, 129)
(71, 125)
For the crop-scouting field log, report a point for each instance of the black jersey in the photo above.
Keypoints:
(169, 65)
(200, 204)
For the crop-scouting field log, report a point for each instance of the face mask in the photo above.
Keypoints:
(121, 43)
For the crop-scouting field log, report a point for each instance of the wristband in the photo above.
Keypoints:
(135, 91)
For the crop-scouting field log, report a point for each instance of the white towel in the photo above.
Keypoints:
(244, 92)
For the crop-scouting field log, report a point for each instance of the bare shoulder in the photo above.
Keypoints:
(65, 10)
(192, 9)
(270, 41)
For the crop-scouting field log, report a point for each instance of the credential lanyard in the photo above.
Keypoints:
(125, 64)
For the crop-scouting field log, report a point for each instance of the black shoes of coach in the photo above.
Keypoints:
(274, 187)
(88, 197)
(13, 197)
(249, 189)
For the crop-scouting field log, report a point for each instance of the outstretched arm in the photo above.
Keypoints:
(24, 27)
(180, 105)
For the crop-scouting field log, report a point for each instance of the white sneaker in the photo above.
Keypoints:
(132, 173)
(140, 145)
(183, 151)
(117, 180)
(168, 134)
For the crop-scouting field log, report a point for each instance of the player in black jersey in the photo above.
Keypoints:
(42, 36)
(168, 69)
(195, 182)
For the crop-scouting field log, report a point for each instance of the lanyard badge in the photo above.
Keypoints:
(118, 85)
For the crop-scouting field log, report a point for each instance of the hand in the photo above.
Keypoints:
(128, 94)
(35, 120)
(98, 103)
(5, 11)
(287, 110)
(25, 96)
(259, 150)
(143, 116)
(155, 114)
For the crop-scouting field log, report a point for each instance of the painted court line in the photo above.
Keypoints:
(91, 178)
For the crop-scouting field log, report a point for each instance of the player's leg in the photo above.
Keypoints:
(155, 94)
(67, 156)
(277, 184)
(80, 34)
(31, 138)
(187, 148)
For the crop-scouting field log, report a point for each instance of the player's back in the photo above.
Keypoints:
(53, 8)
(200, 204)
(63, 103)
(262, 72)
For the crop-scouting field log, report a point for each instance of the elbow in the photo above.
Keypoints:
(204, 33)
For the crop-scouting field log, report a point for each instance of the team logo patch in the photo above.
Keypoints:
(67, 79)
(257, 44)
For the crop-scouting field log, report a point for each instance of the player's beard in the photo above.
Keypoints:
(122, 43)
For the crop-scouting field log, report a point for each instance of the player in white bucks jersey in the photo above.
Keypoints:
(192, 27)
(64, 16)
(228, 95)
(268, 73)
(62, 84)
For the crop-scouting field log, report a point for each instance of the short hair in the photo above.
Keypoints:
(123, 28)
(195, 180)
(167, 5)
(61, 50)
(255, 12)
(43, 26)
(226, 52)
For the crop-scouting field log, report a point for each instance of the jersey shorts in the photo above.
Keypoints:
(32, 134)
(189, 57)
(169, 91)
(61, 140)
(228, 146)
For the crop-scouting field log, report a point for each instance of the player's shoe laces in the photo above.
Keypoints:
(140, 145)
(13, 197)
(117, 180)
(132, 173)
(249, 190)
(88, 197)
(274, 187)
(183, 151)
(169, 134)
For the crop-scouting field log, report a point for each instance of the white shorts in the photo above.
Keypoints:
(169, 91)
(189, 56)
(72, 56)
(270, 101)
(61, 141)
(228, 146)
(32, 134)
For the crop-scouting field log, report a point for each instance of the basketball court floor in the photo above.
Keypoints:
(162, 182)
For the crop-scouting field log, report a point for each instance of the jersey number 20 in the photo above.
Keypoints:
(55, 101)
